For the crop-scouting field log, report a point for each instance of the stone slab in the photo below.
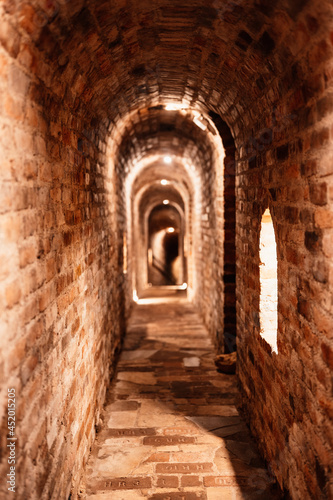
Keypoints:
(188, 495)
(128, 432)
(123, 483)
(167, 440)
(183, 468)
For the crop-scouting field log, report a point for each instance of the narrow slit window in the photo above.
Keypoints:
(268, 282)
(124, 254)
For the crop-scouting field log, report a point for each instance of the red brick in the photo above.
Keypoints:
(167, 441)
(183, 468)
(63, 302)
(45, 172)
(50, 268)
(167, 481)
(30, 310)
(17, 355)
(186, 495)
(324, 218)
(190, 481)
(124, 483)
(27, 255)
(318, 193)
(45, 298)
(13, 294)
(327, 353)
(159, 457)
(216, 481)
(28, 18)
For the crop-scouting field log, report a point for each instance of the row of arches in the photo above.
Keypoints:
(167, 222)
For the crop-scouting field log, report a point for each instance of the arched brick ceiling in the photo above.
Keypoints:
(107, 58)
(162, 217)
(174, 173)
(158, 131)
(154, 196)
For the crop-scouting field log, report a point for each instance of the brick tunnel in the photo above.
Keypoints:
(165, 149)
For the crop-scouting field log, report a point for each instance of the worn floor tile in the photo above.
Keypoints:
(171, 429)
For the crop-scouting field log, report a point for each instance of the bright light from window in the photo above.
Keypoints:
(174, 107)
(167, 159)
(268, 282)
(166, 202)
(198, 120)
(124, 254)
(150, 256)
(171, 229)
(183, 286)
(164, 182)
(135, 296)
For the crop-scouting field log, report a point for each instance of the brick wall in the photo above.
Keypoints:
(285, 165)
(61, 290)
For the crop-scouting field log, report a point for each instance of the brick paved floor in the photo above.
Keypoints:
(171, 430)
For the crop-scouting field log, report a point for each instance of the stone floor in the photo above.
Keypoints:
(171, 430)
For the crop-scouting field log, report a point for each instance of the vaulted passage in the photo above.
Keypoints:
(176, 149)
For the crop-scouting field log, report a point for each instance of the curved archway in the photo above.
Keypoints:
(166, 266)
(148, 235)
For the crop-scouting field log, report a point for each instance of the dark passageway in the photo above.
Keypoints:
(165, 241)
(177, 149)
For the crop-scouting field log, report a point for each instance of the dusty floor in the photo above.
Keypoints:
(171, 430)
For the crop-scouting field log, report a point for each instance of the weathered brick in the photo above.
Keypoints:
(13, 294)
(190, 481)
(183, 468)
(17, 355)
(9, 38)
(167, 441)
(324, 218)
(327, 354)
(27, 255)
(312, 240)
(159, 457)
(167, 481)
(63, 302)
(50, 268)
(124, 483)
(30, 310)
(318, 193)
(45, 298)
(179, 496)
(62, 93)
(45, 172)
(18, 80)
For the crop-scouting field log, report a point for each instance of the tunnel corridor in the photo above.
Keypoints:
(180, 150)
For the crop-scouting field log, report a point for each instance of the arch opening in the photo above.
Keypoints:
(166, 266)
(149, 189)
(268, 282)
